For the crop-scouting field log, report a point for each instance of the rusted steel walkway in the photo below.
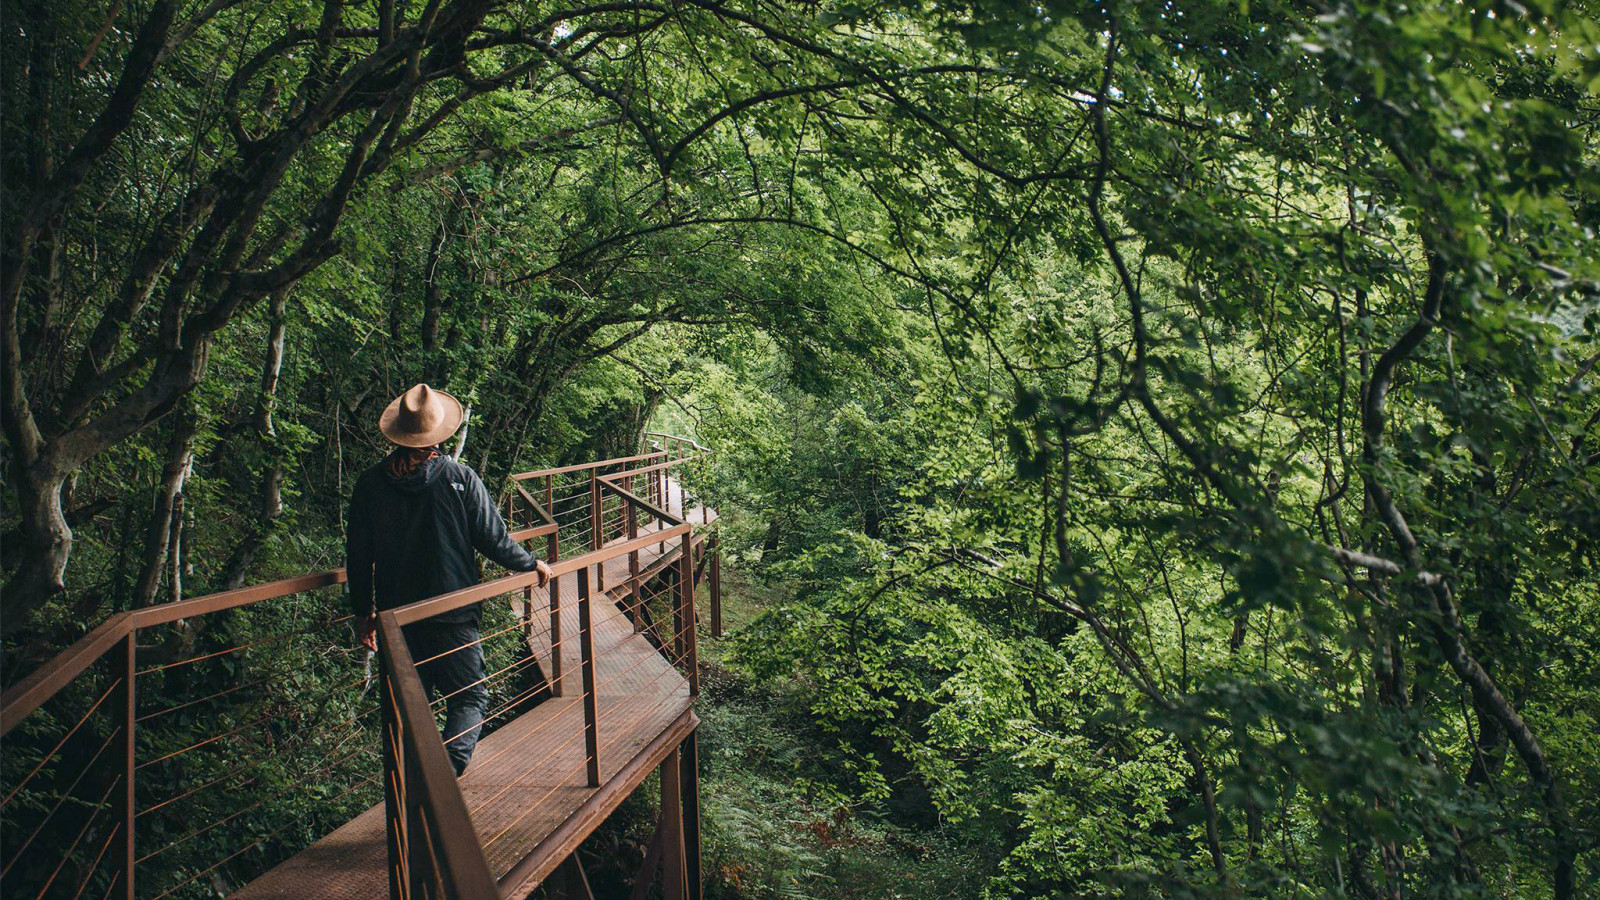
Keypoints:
(136, 739)
(526, 788)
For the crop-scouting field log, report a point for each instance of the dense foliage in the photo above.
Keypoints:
(1174, 423)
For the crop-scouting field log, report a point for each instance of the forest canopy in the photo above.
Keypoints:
(1173, 425)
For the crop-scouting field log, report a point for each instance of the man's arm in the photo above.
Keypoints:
(489, 534)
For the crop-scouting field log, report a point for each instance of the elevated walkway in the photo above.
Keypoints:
(613, 637)
(527, 778)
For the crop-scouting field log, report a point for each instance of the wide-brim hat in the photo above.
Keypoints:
(421, 417)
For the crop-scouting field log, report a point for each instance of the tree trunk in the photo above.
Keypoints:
(271, 490)
(46, 543)
(165, 518)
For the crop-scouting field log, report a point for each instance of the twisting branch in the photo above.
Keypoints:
(1445, 621)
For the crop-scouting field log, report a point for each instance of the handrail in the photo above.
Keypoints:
(679, 439)
(537, 506)
(640, 502)
(167, 613)
(534, 531)
(548, 521)
(42, 683)
(39, 686)
(578, 467)
(653, 467)
(437, 820)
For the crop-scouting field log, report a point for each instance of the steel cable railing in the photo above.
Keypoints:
(591, 690)
(63, 843)
(71, 791)
(529, 808)
(88, 820)
(539, 764)
(533, 732)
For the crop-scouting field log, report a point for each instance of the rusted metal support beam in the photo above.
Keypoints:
(690, 753)
(591, 723)
(124, 703)
(674, 874)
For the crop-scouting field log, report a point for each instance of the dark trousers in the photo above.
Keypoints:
(454, 671)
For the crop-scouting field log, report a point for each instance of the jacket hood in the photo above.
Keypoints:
(417, 479)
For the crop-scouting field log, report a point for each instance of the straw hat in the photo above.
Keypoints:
(421, 417)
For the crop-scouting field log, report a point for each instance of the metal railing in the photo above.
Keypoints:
(157, 759)
(457, 850)
(567, 497)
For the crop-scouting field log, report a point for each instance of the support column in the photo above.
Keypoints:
(690, 752)
(647, 871)
(674, 874)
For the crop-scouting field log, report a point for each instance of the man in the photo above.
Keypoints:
(415, 519)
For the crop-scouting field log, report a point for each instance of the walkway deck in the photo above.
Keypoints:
(526, 786)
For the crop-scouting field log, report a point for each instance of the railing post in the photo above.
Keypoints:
(686, 637)
(555, 623)
(591, 725)
(665, 501)
(716, 586)
(633, 571)
(594, 511)
(596, 523)
(622, 514)
(124, 703)
(527, 607)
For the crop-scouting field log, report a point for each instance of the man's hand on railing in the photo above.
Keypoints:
(367, 632)
(543, 568)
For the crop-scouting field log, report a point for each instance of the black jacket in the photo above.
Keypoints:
(411, 538)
